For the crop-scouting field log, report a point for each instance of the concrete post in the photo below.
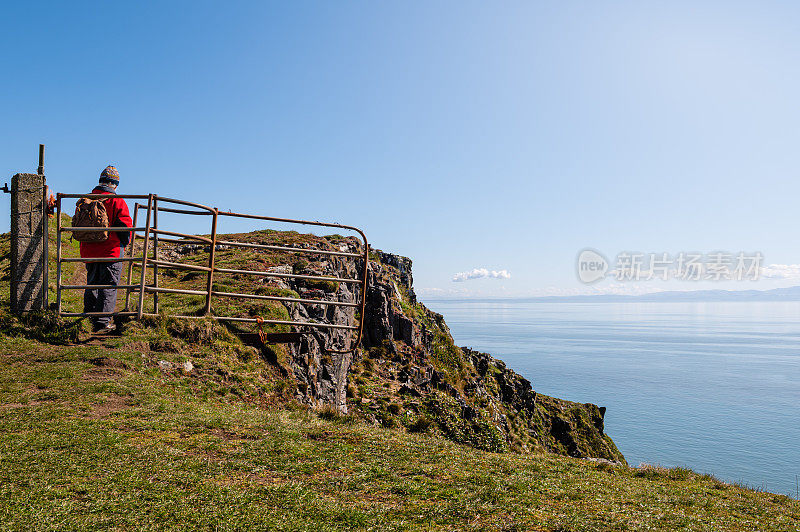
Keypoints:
(28, 243)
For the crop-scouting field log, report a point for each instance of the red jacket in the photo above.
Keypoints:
(118, 215)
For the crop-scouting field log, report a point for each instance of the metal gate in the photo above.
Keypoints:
(151, 236)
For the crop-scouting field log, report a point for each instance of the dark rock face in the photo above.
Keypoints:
(403, 267)
(321, 373)
(512, 388)
(409, 372)
(385, 319)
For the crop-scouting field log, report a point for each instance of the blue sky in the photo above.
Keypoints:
(466, 135)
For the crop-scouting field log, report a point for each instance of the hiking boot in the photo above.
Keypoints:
(102, 328)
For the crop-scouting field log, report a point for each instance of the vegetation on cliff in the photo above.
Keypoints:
(413, 374)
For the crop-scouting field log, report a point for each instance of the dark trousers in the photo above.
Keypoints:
(102, 299)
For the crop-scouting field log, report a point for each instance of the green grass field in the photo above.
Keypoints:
(121, 435)
(93, 437)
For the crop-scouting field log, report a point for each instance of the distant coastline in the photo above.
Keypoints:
(707, 296)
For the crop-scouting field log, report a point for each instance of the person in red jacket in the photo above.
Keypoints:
(106, 273)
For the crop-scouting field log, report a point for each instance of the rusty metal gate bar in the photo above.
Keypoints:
(155, 253)
(153, 233)
(211, 269)
(140, 307)
(130, 254)
(362, 281)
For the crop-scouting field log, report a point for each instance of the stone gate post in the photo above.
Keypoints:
(28, 243)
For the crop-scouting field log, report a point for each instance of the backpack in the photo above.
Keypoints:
(90, 213)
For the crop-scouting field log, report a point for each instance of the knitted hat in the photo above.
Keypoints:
(110, 175)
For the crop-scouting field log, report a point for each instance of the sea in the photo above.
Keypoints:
(710, 386)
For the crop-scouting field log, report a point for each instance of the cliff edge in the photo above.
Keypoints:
(410, 373)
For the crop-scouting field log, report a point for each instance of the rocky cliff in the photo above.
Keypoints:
(410, 373)
(407, 372)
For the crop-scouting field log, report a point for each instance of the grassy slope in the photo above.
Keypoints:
(118, 442)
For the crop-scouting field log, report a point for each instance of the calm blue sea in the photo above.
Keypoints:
(710, 386)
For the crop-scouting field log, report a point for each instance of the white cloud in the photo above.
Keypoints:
(481, 273)
(781, 271)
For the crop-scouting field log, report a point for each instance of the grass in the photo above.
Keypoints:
(95, 437)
